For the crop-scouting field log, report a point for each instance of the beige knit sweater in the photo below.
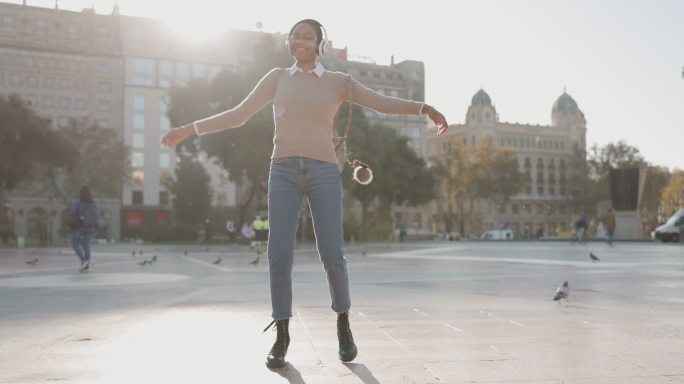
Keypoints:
(304, 106)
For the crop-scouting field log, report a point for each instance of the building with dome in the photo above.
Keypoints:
(544, 153)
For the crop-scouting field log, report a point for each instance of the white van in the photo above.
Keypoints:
(497, 234)
(670, 230)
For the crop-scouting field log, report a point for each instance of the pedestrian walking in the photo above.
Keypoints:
(304, 164)
(83, 222)
(610, 224)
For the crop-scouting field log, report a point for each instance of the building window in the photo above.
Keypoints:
(139, 121)
(540, 208)
(137, 197)
(80, 103)
(104, 68)
(540, 190)
(515, 208)
(144, 66)
(198, 70)
(104, 87)
(138, 159)
(527, 208)
(164, 160)
(214, 70)
(103, 123)
(138, 140)
(64, 103)
(139, 103)
(164, 123)
(103, 106)
(32, 82)
(182, 73)
(163, 198)
(138, 178)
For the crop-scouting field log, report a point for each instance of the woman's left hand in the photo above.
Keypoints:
(438, 118)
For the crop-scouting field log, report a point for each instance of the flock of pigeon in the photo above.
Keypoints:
(563, 291)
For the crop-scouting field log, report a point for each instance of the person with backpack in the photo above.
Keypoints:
(83, 222)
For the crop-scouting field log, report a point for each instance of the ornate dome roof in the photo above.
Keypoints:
(481, 98)
(565, 103)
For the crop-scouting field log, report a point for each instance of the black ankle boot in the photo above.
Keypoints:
(344, 335)
(276, 357)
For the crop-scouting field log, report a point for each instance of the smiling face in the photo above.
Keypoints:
(303, 43)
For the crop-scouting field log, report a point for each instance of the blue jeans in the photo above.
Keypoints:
(291, 180)
(80, 242)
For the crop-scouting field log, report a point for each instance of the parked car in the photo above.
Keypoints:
(670, 230)
(497, 234)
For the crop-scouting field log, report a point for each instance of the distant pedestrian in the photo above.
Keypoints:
(402, 232)
(581, 226)
(83, 222)
(230, 229)
(247, 232)
(610, 224)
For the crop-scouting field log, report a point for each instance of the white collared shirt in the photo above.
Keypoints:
(318, 69)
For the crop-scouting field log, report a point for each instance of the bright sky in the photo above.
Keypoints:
(621, 60)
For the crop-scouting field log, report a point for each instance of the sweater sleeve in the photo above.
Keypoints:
(261, 95)
(368, 98)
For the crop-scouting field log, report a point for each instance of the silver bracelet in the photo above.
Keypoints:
(194, 125)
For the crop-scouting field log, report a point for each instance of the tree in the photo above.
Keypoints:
(244, 152)
(26, 142)
(401, 177)
(190, 190)
(673, 194)
(483, 172)
(100, 160)
(657, 179)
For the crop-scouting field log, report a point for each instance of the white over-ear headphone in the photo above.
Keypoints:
(323, 46)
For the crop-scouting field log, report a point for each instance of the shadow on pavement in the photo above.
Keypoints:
(362, 372)
(290, 373)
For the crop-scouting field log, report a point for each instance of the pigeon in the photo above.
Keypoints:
(562, 292)
(141, 252)
(185, 253)
(32, 262)
(258, 251)
(217, 261)
(144, 263)
(133, 254)
(154, 258)
(255, 261)
(206, 249)
(363, 253)
(593, 257)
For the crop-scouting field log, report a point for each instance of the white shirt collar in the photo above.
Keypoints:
(318, 69)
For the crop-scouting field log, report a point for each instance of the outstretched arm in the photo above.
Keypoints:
(261, 95)
(368, 98)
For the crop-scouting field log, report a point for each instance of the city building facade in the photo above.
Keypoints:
(544, 153)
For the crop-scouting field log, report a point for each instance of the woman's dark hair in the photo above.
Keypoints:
(318, 28)
(85, 196)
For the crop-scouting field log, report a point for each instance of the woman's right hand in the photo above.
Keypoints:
(177, 135)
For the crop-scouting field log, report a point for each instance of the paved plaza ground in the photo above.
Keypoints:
(430, 312)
